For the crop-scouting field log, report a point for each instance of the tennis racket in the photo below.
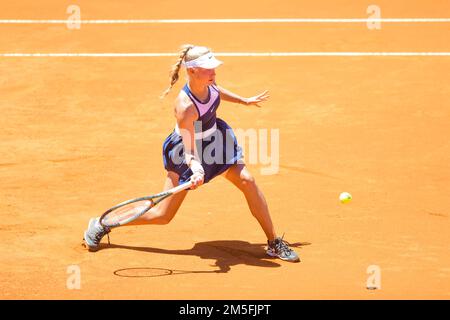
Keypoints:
(130, 210)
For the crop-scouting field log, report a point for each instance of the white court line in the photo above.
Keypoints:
(235, 54)
(173, 21)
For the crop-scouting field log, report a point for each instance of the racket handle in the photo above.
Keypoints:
(182, 187)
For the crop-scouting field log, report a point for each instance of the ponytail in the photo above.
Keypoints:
(176, 68)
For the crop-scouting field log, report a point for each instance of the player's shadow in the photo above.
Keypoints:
(226, 253)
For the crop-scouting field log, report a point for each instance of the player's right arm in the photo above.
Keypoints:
(186, 114)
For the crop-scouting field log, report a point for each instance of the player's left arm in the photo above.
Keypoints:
(232, 97)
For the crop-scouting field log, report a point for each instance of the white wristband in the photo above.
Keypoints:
(196, 167)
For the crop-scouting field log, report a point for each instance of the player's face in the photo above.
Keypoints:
(204, 76)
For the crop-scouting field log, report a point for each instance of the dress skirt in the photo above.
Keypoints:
(217, 153)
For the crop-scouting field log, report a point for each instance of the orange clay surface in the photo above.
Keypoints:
(79, 135)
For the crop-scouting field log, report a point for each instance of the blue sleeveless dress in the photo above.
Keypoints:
(216, 143)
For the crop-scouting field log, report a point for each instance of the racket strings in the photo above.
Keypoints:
(126, 213)
(132, 209)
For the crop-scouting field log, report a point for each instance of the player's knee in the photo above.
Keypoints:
(164, 220)
(247, 180)
(163, 217)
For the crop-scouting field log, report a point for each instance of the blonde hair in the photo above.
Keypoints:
(188, 52)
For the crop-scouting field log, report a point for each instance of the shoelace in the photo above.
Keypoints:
(283, 246)
(98, 236)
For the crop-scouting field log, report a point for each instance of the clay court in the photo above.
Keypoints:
(80, 134)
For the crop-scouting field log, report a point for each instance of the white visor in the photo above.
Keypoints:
(206, 61)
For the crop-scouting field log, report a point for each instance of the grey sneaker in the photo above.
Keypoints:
(94, 234)
(279, 248)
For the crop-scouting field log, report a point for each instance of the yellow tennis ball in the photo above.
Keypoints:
(345, 197)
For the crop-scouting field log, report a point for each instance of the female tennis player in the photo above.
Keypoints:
(187, 151)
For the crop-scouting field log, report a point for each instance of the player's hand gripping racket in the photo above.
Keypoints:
(130, 210)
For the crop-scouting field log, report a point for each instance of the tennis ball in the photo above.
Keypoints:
(345, 197)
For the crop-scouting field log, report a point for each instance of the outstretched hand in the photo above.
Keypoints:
(257, 99)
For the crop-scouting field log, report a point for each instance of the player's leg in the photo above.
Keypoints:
(164, 212)
(241, 177)
(161, 214)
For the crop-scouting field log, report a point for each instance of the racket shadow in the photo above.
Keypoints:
(226, 253)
